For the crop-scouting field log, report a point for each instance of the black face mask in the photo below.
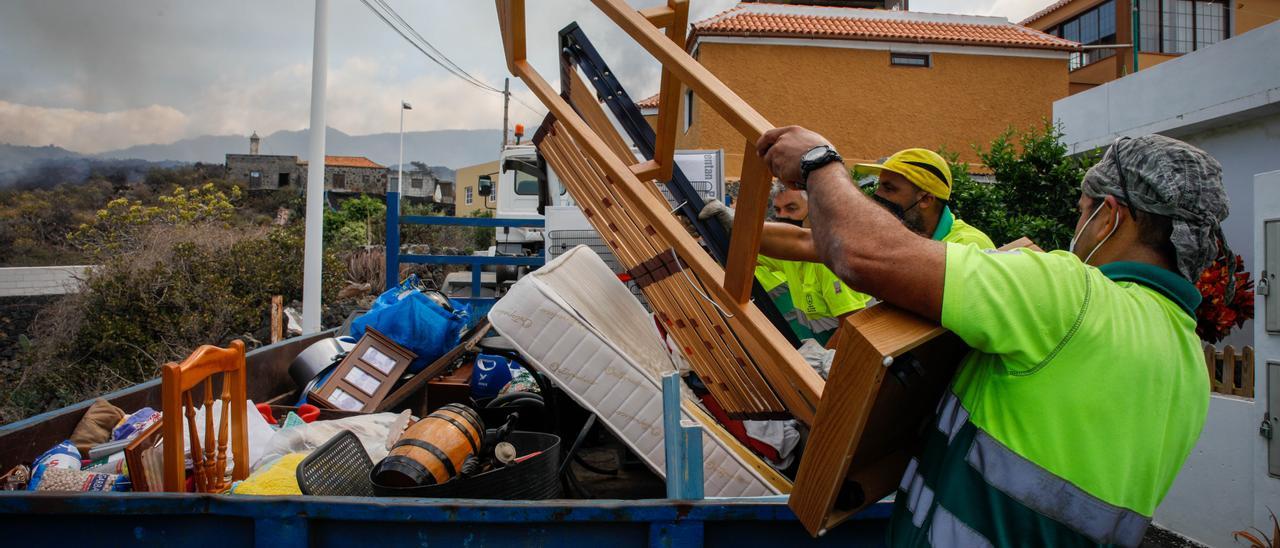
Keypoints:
(794, 222)
(893, 208)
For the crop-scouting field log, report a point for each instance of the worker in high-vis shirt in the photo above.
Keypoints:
(1085, 388)
(913, 184)
(808, 294)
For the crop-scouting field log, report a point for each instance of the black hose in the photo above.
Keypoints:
(577, 443)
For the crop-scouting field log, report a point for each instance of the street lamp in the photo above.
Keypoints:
(404, 105)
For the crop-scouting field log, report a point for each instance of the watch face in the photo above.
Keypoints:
(815, 153)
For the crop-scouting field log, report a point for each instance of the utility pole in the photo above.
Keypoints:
(506, 104)
(404, 105)
(314, 251)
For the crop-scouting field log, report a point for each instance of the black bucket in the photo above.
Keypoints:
(533, 479)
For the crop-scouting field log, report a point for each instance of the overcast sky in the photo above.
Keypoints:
(93, 75)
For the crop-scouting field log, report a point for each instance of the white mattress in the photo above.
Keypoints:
(574, 321)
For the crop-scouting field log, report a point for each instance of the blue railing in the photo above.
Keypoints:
(394, 220)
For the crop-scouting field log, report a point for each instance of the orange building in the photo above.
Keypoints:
(1166, 29)
(873, 81)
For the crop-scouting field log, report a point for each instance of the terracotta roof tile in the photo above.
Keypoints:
(1046, 11)
(648, 102)
(350, 161)
(773, 20)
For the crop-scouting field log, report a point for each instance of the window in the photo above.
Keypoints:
(255, 179)
(415, 182)
(1092, 28)
(688, 110)
(910, 59)
(339, 180)
(468, 199)
(526, 185)
(1181, 26)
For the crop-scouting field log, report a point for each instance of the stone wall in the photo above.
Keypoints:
(365, 180)
(272, 171)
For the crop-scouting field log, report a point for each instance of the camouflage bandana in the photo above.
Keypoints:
(1164, 176)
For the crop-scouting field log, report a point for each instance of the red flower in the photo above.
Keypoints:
(1216, 318)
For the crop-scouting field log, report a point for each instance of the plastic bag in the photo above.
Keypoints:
(411, 319)
(64, 455)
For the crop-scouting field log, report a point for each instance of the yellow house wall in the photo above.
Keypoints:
(469, 177)
(1251, 14)
(870, 109)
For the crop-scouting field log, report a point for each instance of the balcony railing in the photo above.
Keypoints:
(1081, 59)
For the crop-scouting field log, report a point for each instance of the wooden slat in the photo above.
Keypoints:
(224, 418)
(649, 170)
(1229, 370)
(794, 381)
(659, 16)
(577, 177)
(673, 57)
(707, 328)
(511, 23)
(748, 224)
(1211, 363)
(583, 99)
(210, 440)
(842, 415)
(277, 318)
(669, 96)
(1246, 372)
(632, 245)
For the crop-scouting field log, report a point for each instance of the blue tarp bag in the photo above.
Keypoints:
(414, 321)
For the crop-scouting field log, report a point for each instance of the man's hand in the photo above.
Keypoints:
(782, 148)
(715, 209)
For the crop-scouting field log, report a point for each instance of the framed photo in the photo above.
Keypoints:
(365, 376)
(145, 458)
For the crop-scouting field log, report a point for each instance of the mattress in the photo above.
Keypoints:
(575, 322)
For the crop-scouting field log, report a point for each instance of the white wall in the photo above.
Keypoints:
(40, 280)
(1213, 494)
(1224, 99)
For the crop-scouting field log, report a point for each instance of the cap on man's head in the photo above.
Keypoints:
(924, 168)
(1165, 176)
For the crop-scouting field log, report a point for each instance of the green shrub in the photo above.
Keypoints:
(1037, 185)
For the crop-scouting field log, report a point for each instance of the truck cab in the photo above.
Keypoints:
(525, 187)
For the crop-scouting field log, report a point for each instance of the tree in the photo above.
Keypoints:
(1035, 190)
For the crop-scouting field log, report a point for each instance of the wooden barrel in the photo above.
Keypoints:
(433, 450)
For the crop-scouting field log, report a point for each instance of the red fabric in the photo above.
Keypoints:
(739, 432)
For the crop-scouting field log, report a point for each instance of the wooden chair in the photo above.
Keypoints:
(178, 381)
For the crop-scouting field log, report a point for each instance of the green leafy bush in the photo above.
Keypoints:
(1037, 185)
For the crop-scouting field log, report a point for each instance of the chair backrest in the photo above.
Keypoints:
(197, 373)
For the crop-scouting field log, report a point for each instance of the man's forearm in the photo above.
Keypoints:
(869, 248)
(787, 242)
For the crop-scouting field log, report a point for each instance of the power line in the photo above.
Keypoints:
(427, 43)
(406, 31)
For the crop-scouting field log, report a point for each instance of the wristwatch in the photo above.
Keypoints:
(817, 157)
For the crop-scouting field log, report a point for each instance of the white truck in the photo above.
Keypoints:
(527, 188)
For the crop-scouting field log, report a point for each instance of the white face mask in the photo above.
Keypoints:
(1076, 238)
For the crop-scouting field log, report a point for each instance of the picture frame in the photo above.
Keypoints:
(365, 376)
(144, 457)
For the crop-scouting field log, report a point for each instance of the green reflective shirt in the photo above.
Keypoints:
(953, 230)
(1084, 393)
(818, 297)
